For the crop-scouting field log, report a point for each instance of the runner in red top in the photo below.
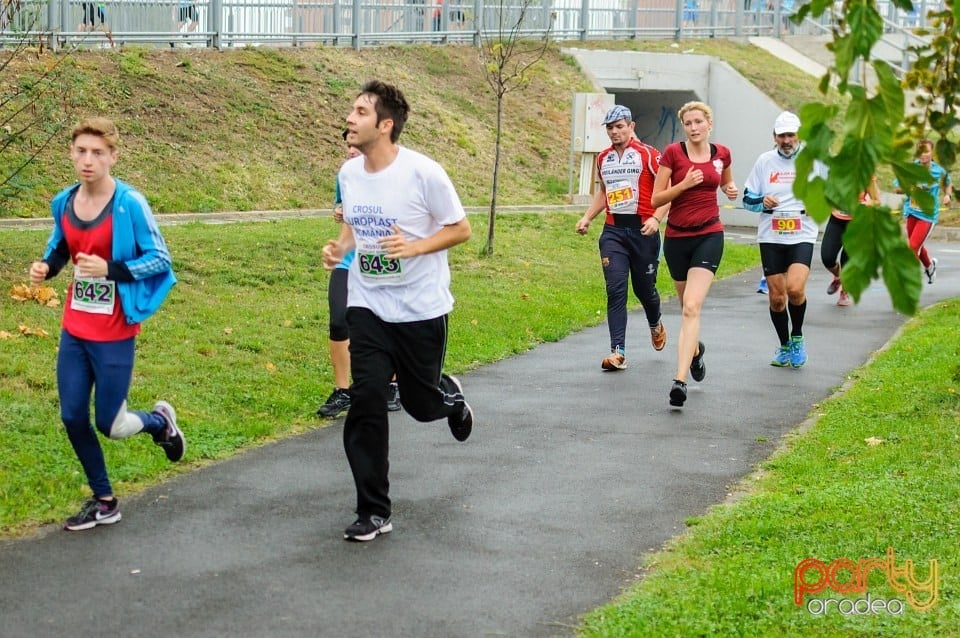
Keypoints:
(690, 173)
(121, 274)
(630, 241)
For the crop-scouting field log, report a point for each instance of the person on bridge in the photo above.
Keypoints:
(404, 213)
(630, 241)
(689, 176)
(121, 274)
(920, 223)
(786, 236)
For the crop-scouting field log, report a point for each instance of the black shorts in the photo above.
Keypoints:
(777, 258)
(337, 302)
(90, 10)
(684, 253)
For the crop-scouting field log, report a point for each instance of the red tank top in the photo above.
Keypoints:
(93, 310)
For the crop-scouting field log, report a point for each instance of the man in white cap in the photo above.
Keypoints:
(630, 241)
(786, 236)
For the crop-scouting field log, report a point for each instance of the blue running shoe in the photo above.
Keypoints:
(762, 288)
(782, 357)
(798, 352)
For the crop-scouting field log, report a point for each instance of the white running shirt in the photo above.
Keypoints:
(773, 174)
(415, 194)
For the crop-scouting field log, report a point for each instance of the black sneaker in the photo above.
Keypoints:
(337, 403)
(461, 423)
(698, 369)
(367, 529)
(678, 393)
(94, 512)
(393, 397)
(931, 272)
(171, 439)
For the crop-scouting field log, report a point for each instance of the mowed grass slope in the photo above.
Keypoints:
(259, 128)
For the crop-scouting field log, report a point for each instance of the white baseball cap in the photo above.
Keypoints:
(786, 122)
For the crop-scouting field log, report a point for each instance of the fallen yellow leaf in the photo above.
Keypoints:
(28, 331)
(873, 441)
(19, 292)
(45, 295)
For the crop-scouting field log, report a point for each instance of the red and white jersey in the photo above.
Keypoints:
(628, 179)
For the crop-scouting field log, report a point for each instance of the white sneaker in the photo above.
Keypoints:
(931, 271)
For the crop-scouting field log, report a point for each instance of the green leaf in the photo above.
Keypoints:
(824, 84)
(817, 7)
(901, 274)
(860, 242)
(843, 54)
(866, 27)
(889, 92)
(906, 5)
(946, 150)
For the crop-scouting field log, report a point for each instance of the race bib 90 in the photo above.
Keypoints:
(791, 224)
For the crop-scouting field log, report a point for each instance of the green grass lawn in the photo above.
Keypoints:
(240, 346)
(879, 469)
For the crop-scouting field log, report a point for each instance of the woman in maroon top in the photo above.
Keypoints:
(689, 176)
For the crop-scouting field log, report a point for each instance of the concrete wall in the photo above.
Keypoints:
(656, 85)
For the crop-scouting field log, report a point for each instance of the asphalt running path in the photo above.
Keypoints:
(570, 477)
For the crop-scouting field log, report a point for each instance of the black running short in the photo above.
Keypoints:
(684, 253)
(777, 258)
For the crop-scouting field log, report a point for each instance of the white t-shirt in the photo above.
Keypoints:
(773, 174)
(415, 194)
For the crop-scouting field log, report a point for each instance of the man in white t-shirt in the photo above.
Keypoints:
(786, 235)
(404, 214)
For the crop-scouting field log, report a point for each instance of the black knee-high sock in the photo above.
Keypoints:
(796, 317)
(781, 323)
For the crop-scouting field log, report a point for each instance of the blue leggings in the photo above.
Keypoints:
(104, 368)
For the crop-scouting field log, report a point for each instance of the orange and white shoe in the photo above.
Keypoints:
(658, 336)
(616, 361)
(844, 299)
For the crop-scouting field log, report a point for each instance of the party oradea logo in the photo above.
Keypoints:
(850, 578)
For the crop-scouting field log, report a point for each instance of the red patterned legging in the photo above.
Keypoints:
(917, 232)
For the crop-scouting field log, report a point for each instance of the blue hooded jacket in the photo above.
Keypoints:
(137, 245)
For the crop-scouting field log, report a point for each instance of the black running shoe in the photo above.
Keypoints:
(461, 422)
(678, 393)
(367, 529)
(931, 272)
(393, 397)
(171, 439)
(94, 512)
(698, 369)
(337, 403)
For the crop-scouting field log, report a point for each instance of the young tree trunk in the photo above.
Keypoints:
(492, 217)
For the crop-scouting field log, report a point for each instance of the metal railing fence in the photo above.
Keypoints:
(361, 23)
